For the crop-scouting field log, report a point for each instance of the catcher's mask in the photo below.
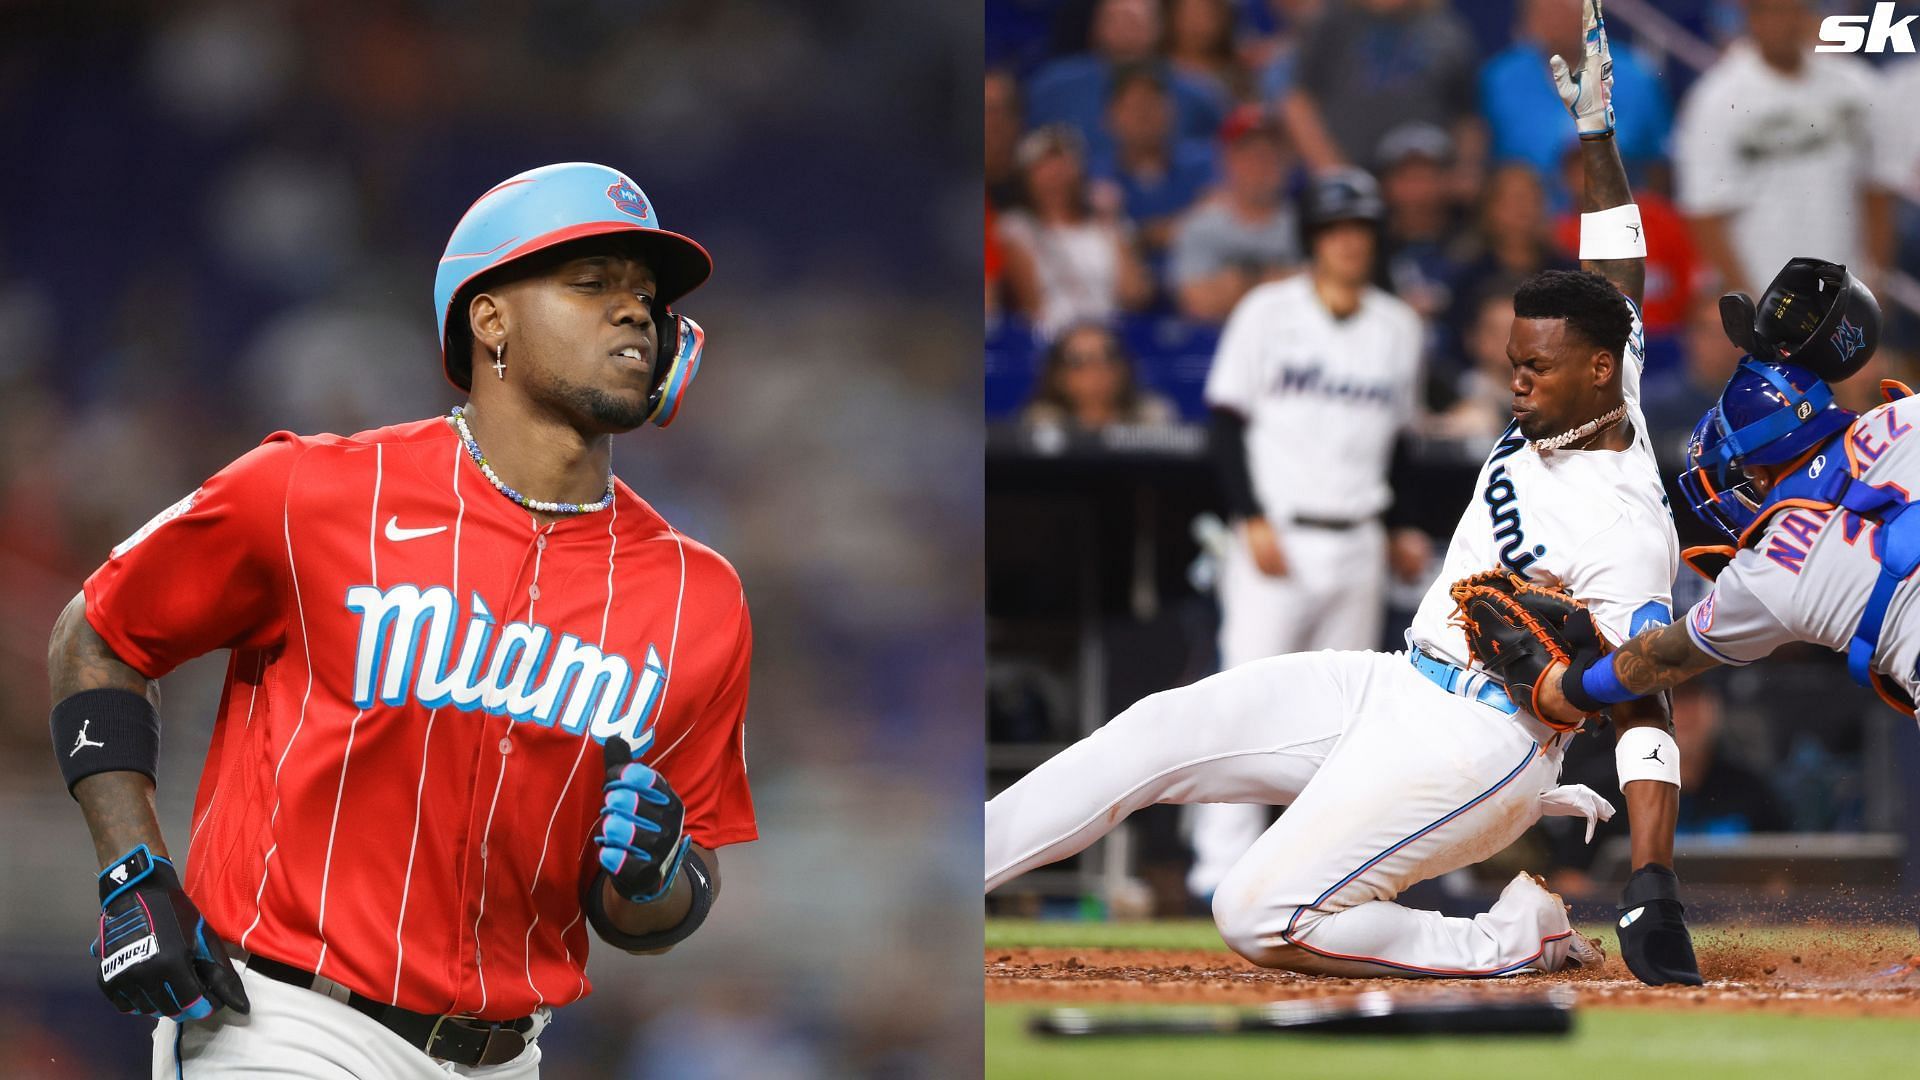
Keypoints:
(1769, 414)
(1814, 315)
(558, 204)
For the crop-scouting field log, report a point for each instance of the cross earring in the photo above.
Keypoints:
(499, 365)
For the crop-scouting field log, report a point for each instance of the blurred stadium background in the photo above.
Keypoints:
(1117, 138)
(220, 218)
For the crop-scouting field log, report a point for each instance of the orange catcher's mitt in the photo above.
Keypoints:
(1516, 630)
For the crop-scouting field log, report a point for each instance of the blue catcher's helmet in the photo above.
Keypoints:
(557, 204)
(1769, 414)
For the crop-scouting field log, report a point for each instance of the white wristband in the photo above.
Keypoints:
(1646, 753)
(1613, 233)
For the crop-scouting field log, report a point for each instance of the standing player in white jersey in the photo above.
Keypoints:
(1398, 767)
(1314, 380)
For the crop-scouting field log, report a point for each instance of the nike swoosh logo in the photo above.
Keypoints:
(396, 533)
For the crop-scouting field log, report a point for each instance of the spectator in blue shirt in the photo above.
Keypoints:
(1073, 89)
(1154, 175)
(1523, 111)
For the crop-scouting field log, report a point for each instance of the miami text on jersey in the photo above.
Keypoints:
(1504, 510)
(1311, 379)
(500, 675)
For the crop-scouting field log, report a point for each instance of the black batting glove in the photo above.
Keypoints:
(641, 833)
(1653, 929)
(157, 956)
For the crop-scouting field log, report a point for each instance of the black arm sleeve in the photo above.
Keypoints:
(1227, 445)
(1400, 511)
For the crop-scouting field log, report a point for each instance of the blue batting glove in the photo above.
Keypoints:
(641, 833)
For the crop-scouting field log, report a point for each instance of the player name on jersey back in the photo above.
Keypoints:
(1808, 575)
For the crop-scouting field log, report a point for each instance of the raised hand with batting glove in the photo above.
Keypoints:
(1587, 91)
(157, 957)
(641, 834)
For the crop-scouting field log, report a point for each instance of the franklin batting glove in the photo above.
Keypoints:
(1588, 92)
(157, 956)
(641, 834)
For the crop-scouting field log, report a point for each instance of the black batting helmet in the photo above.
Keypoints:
(1346, 194)
(1814, 314)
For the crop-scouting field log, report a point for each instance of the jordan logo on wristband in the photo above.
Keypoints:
(83, 742)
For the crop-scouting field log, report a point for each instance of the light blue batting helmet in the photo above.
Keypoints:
(556, 204)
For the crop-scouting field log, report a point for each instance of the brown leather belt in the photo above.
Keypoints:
(463, 1040)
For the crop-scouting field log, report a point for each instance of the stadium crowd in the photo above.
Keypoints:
(1144, 160)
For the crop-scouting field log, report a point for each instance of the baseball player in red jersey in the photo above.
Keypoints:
(481, 696)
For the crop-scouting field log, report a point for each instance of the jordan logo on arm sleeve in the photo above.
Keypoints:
(83, 742)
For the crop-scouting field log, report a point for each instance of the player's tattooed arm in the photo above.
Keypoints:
(1605, 188)
(118, 805)
(1660, 660)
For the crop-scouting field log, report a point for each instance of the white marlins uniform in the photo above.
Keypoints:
(1388, 778)
(1324, 399)
(1808, 578)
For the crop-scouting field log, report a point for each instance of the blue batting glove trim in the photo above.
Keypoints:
(631, 817)
(627, 801)
(674, 863)
(1603, 683)
(613, 857)
(145, 871)
(640, 779)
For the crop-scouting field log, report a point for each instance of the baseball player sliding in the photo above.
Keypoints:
(1315, 378)
(481, 696)
(1398, 767)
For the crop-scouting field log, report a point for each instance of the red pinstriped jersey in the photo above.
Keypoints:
(407, 761)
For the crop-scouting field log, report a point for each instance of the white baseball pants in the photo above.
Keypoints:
(1333, 597)
(292, 1032)
(1387, 779)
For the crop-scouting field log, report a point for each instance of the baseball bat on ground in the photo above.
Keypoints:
(1374, 1013)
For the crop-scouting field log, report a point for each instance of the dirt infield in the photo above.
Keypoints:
(1848, 970)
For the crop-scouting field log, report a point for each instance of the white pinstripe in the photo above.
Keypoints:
(339, 794)
(259, 669)
(539, 550)
(586, 850)
(613, 541)
(673, 646)
(426, 743)
(545, 842)
(484, 833)
(306, 648)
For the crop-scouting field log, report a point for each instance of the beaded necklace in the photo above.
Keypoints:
(473, 451)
